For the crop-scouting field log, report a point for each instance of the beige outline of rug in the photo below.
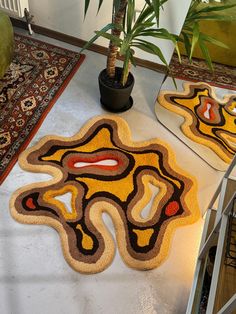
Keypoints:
(121, 189)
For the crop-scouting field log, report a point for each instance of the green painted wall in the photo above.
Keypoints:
(6, 43)
(225, 32)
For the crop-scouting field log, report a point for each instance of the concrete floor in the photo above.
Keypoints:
(35, 278)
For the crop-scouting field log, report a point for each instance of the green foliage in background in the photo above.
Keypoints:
(138, 34)
(135, 33)
(191, 34)
(125, 33)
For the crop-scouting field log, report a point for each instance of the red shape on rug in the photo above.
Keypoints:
(92, 160)
(207, 102)
(30, 203)
(172, 208)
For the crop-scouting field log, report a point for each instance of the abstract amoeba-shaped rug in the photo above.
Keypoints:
(103, 170)
(208, 121)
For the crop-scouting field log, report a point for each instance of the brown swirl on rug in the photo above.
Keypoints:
(37, 76)
(103, 170)
(224, 76)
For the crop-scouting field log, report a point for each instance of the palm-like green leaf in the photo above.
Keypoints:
(156, 33)
(214, 17)
(197, 13)
(125, 45)
(187, 43)
(86, 5)
(205, 53)
(216, 8)
(213, 41)
(187, 27)
(144, 14)
(195, 38)
(132, 60)
(99, 5)
(126, 67)
(141, 28)
(150, 48)
(98, 34)
(156, 6)
(117, 41)
(196, 9)
(130, 14)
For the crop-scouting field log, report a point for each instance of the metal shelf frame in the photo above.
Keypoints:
(217, 236)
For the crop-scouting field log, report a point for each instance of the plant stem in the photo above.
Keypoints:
(113, 49)
(126, 68)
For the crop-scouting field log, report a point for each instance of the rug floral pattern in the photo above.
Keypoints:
(103, 170)
(38, 74)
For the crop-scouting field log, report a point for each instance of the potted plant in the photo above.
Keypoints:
(116, 83)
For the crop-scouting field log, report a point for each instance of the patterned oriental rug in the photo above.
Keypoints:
(224, 76)
(207, 120)
(37, 76)
(103, 170)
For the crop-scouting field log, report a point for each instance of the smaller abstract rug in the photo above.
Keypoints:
(103, 170)
(224, 76)
(37, 76)
(208, 120)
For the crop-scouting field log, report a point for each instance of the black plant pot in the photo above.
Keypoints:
(115, 97)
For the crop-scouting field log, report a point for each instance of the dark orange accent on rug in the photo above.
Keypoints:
(36, 78)
(223, 76)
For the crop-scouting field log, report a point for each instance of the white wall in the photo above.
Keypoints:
(67, 17)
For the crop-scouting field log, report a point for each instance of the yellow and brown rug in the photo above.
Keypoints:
(103, 170)
(207, 120)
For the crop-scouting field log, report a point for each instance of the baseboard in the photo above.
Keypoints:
(80, 43)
